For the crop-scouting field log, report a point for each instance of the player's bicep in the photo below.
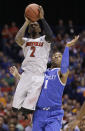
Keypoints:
(63, 77)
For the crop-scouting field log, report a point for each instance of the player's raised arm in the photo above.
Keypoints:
(64, 70)
(21, 33)
(13, 70)
(78, 119)
(46, 27)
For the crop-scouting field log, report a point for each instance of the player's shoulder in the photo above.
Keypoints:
(42, 37)
(52, 70)
(26, 39)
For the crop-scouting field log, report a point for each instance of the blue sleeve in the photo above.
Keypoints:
(65, 61)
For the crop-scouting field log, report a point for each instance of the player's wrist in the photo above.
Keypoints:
(27, 22)
(67, 45)
(18, 76)
(42, 17)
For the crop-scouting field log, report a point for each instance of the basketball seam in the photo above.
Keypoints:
(33, 11)
(29, 16)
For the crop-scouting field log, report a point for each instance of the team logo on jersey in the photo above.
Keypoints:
(34, 44)
(51, 77)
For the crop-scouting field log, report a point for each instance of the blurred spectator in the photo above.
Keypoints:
(3, 101)
(3, 127)
(60, 28)
(13, 29)
(5, 32)
(70, 28)
(2, 112)
(12, 127)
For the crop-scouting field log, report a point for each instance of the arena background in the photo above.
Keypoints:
(64, 9)
(11, 54)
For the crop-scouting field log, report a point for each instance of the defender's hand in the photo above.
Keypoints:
(72, 125)
(13, 70)
(41, 12)
(73, 42)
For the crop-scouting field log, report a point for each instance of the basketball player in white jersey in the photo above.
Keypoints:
(36, 52)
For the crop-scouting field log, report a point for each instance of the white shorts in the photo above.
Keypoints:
(28, 90)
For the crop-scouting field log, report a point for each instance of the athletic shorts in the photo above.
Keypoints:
(47, 120)
(28, 90)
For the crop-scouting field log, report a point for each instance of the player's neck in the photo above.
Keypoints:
(55, 66)
(34, 36)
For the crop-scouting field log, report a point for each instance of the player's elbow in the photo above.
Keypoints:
(19, 41)
(16, 39)
(49, 39)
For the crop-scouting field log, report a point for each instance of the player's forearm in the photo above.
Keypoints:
(21, 34)
(81, 113)
(65, 61)
(18, 76)
(47, 30)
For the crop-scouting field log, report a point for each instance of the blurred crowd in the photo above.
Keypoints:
(11, 54)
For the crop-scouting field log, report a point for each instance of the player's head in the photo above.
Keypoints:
(56, 59)
(34, 28)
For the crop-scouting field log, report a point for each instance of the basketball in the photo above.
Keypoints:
(32, 12)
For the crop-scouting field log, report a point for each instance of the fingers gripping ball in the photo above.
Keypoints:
(32, 12)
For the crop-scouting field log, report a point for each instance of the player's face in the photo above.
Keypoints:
(56, 59)
(34, 27)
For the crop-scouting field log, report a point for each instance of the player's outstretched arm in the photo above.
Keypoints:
(46, 27)
(71, 126)
(13, 70)
(78, 119)
(21, 33)
(64, 70)
(81, 113)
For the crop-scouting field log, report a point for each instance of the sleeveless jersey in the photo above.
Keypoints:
(36, 53)
(52, 90)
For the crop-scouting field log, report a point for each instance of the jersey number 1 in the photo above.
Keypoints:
(33, 51)
(46, 82)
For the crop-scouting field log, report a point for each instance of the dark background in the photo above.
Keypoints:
(13, 10)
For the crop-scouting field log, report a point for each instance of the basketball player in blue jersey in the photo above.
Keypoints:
(49, 113)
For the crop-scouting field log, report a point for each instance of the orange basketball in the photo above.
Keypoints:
(32, 12)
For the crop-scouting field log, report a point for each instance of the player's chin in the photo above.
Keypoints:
(37, 30)
(54, 64)
(58, 63)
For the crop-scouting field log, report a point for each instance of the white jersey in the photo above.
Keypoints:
(36, 53)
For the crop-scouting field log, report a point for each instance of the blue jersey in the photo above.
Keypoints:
(49, 113)
(52, 90)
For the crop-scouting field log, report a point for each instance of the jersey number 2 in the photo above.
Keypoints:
(33, 51)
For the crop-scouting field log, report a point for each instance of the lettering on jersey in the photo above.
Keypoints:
(51, 77)
(34, 44)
